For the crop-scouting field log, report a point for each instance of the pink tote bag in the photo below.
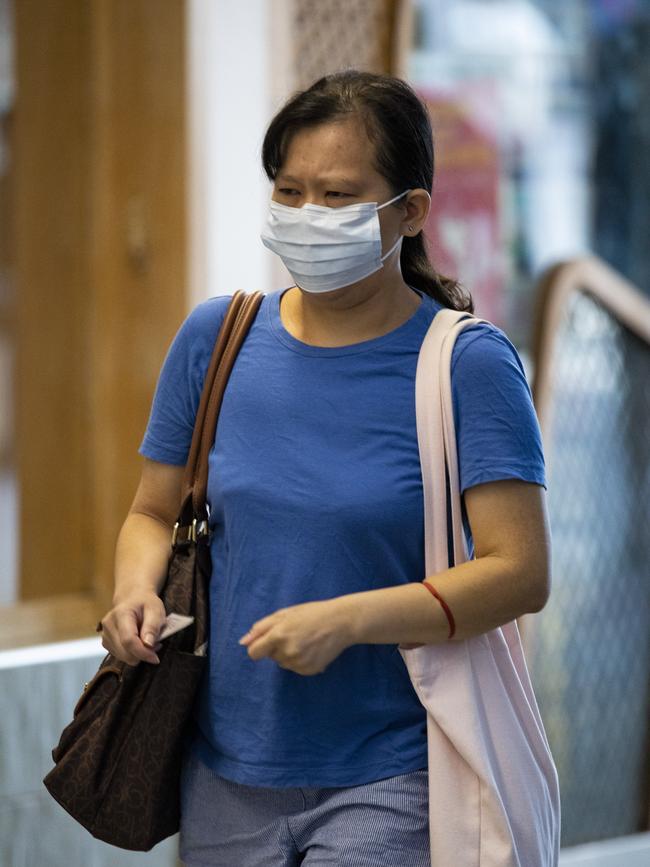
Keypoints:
(494, 798)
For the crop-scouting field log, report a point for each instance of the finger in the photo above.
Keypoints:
(255, 632)
(262, 645)
(111, 639)
(119, 652)
(131, 641)
(152, 624)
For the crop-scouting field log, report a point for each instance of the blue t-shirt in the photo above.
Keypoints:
(315, 491)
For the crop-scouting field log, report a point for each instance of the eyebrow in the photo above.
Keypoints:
(331, 180)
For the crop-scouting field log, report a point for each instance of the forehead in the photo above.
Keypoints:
(340, 148)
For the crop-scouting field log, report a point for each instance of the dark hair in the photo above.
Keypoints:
(397, 122)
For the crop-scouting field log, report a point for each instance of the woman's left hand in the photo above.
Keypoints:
(302, 638)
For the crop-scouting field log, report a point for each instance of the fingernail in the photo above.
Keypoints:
(148, 638)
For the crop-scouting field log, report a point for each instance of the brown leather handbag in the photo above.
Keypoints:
(118, 763)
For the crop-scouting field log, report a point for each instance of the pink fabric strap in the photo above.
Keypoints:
(494, 797)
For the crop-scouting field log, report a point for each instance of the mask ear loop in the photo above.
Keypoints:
(399, 240)
(386, 255)
(390, 201)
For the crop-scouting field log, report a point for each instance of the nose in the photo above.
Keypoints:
(298, 199)
(312, 199)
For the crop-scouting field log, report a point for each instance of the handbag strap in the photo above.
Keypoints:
(237, 321)
(437, 439)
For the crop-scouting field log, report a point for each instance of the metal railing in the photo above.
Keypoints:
(588, 650)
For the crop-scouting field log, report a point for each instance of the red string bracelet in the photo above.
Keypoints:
(450, 616)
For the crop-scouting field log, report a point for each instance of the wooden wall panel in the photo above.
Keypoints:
(53, 282)
(100, 269)
(139, 250)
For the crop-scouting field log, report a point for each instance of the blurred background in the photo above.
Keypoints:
(131, 189)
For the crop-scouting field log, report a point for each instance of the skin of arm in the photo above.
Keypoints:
(144, 542)
(141, 554)
(141, 560)
(510, 576)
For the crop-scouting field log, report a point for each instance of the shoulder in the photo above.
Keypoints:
(482, 348)
(484, 351)
(191, 348)
(497, 429)
(180, 383)
(194, 340)
(205, 320)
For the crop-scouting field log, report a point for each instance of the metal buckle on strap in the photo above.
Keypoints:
(190, 533)
(201, 529)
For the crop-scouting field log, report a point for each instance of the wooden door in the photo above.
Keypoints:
(98, 178)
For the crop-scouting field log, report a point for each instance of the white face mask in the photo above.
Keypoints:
(327, 248)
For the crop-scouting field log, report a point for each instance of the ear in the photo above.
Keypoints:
(418, 205)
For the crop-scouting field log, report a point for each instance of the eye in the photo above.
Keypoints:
(337, 194)
(286, 191)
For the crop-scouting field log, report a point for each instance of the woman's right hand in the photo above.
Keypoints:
(125, 628)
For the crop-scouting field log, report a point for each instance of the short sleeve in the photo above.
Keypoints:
(168, 435)
(497, 430)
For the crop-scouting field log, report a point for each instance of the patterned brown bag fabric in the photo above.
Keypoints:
(118, 763)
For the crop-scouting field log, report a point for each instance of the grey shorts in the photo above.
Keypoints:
(225, 824)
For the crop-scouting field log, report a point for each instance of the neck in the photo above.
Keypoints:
(353, 313)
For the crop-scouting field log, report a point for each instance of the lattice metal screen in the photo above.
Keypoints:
(589, 649)
(335, 34)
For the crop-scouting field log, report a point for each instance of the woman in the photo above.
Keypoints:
(309, 744)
